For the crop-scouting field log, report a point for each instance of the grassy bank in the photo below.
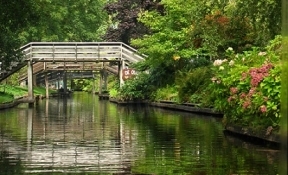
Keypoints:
(8, 93)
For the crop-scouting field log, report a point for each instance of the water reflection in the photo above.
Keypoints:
(10, 164)
(83, 134)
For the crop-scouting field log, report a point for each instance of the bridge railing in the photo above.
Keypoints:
(68, 54)
(80, 51)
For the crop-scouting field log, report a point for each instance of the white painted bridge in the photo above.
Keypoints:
(45, 57)
(53, 56)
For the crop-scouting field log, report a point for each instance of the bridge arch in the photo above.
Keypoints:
(45, 57)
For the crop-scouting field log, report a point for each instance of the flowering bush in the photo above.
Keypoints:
(246, 87)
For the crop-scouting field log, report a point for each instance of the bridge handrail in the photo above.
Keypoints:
(130, 53)
(118, 49)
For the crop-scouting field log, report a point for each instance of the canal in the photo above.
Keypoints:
(84, 135)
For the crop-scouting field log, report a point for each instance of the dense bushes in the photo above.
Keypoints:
(192, 82)
(246, 87)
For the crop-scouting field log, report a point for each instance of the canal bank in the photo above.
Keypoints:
(269, 136)
(266, 136)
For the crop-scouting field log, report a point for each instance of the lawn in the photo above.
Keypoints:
(8, 93)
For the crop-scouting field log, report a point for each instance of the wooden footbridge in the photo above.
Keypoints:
(44, 58)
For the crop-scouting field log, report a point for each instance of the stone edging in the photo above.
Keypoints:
(171, 105)
(186, 107)
(15, 103)
(265, 135)
(8, 105)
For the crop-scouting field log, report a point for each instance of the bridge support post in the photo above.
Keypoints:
(65, 82)
(30, 83)
(105, 75)
(47, 85)
(101, 83)
(121, 67)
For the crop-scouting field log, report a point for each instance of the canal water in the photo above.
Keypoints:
(85, 135)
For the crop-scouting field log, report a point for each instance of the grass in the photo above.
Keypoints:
(8, 93)
(4, 98)
(15, 91)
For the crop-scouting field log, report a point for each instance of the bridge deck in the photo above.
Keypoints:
(55, 56)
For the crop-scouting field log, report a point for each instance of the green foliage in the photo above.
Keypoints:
(137, 88)
(74, 20)
(113, 93)
(38, 90)
(4, 97)
(264, 15)
(15, 91)
(187, 30)
(82, 84)
(24, 21)
(9, 92)
(192, 81)
(15, 16)
(247, 88)
(169, 93)
(13, 79)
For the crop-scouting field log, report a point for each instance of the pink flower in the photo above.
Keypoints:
(246, 104)
(251, 91)
(243, 95)
(233, 90)
(231, 98)
(263, 108)
(258, 74)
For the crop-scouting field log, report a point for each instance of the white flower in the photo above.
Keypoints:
(231, 63)
(236, 55)
(225, 60)
(213, 79)
(217, 62)
(243, 59)
(230, 48)
(262, 53)
(221, 68)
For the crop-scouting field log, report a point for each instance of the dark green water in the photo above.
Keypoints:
(82, 135)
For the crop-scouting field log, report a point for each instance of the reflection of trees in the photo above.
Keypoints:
(177, 142)
(9, 164)
(138, 139)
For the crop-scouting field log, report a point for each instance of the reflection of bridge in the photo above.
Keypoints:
(46, 60)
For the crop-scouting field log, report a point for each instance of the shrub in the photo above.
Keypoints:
(137, 88)
(167, 93)
(190, 82)
(246, 88)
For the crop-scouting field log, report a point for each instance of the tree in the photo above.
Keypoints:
(124, 23)
(264, 17)
(70, 20)
(192, 29)
(24, 21)
(15, 16)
